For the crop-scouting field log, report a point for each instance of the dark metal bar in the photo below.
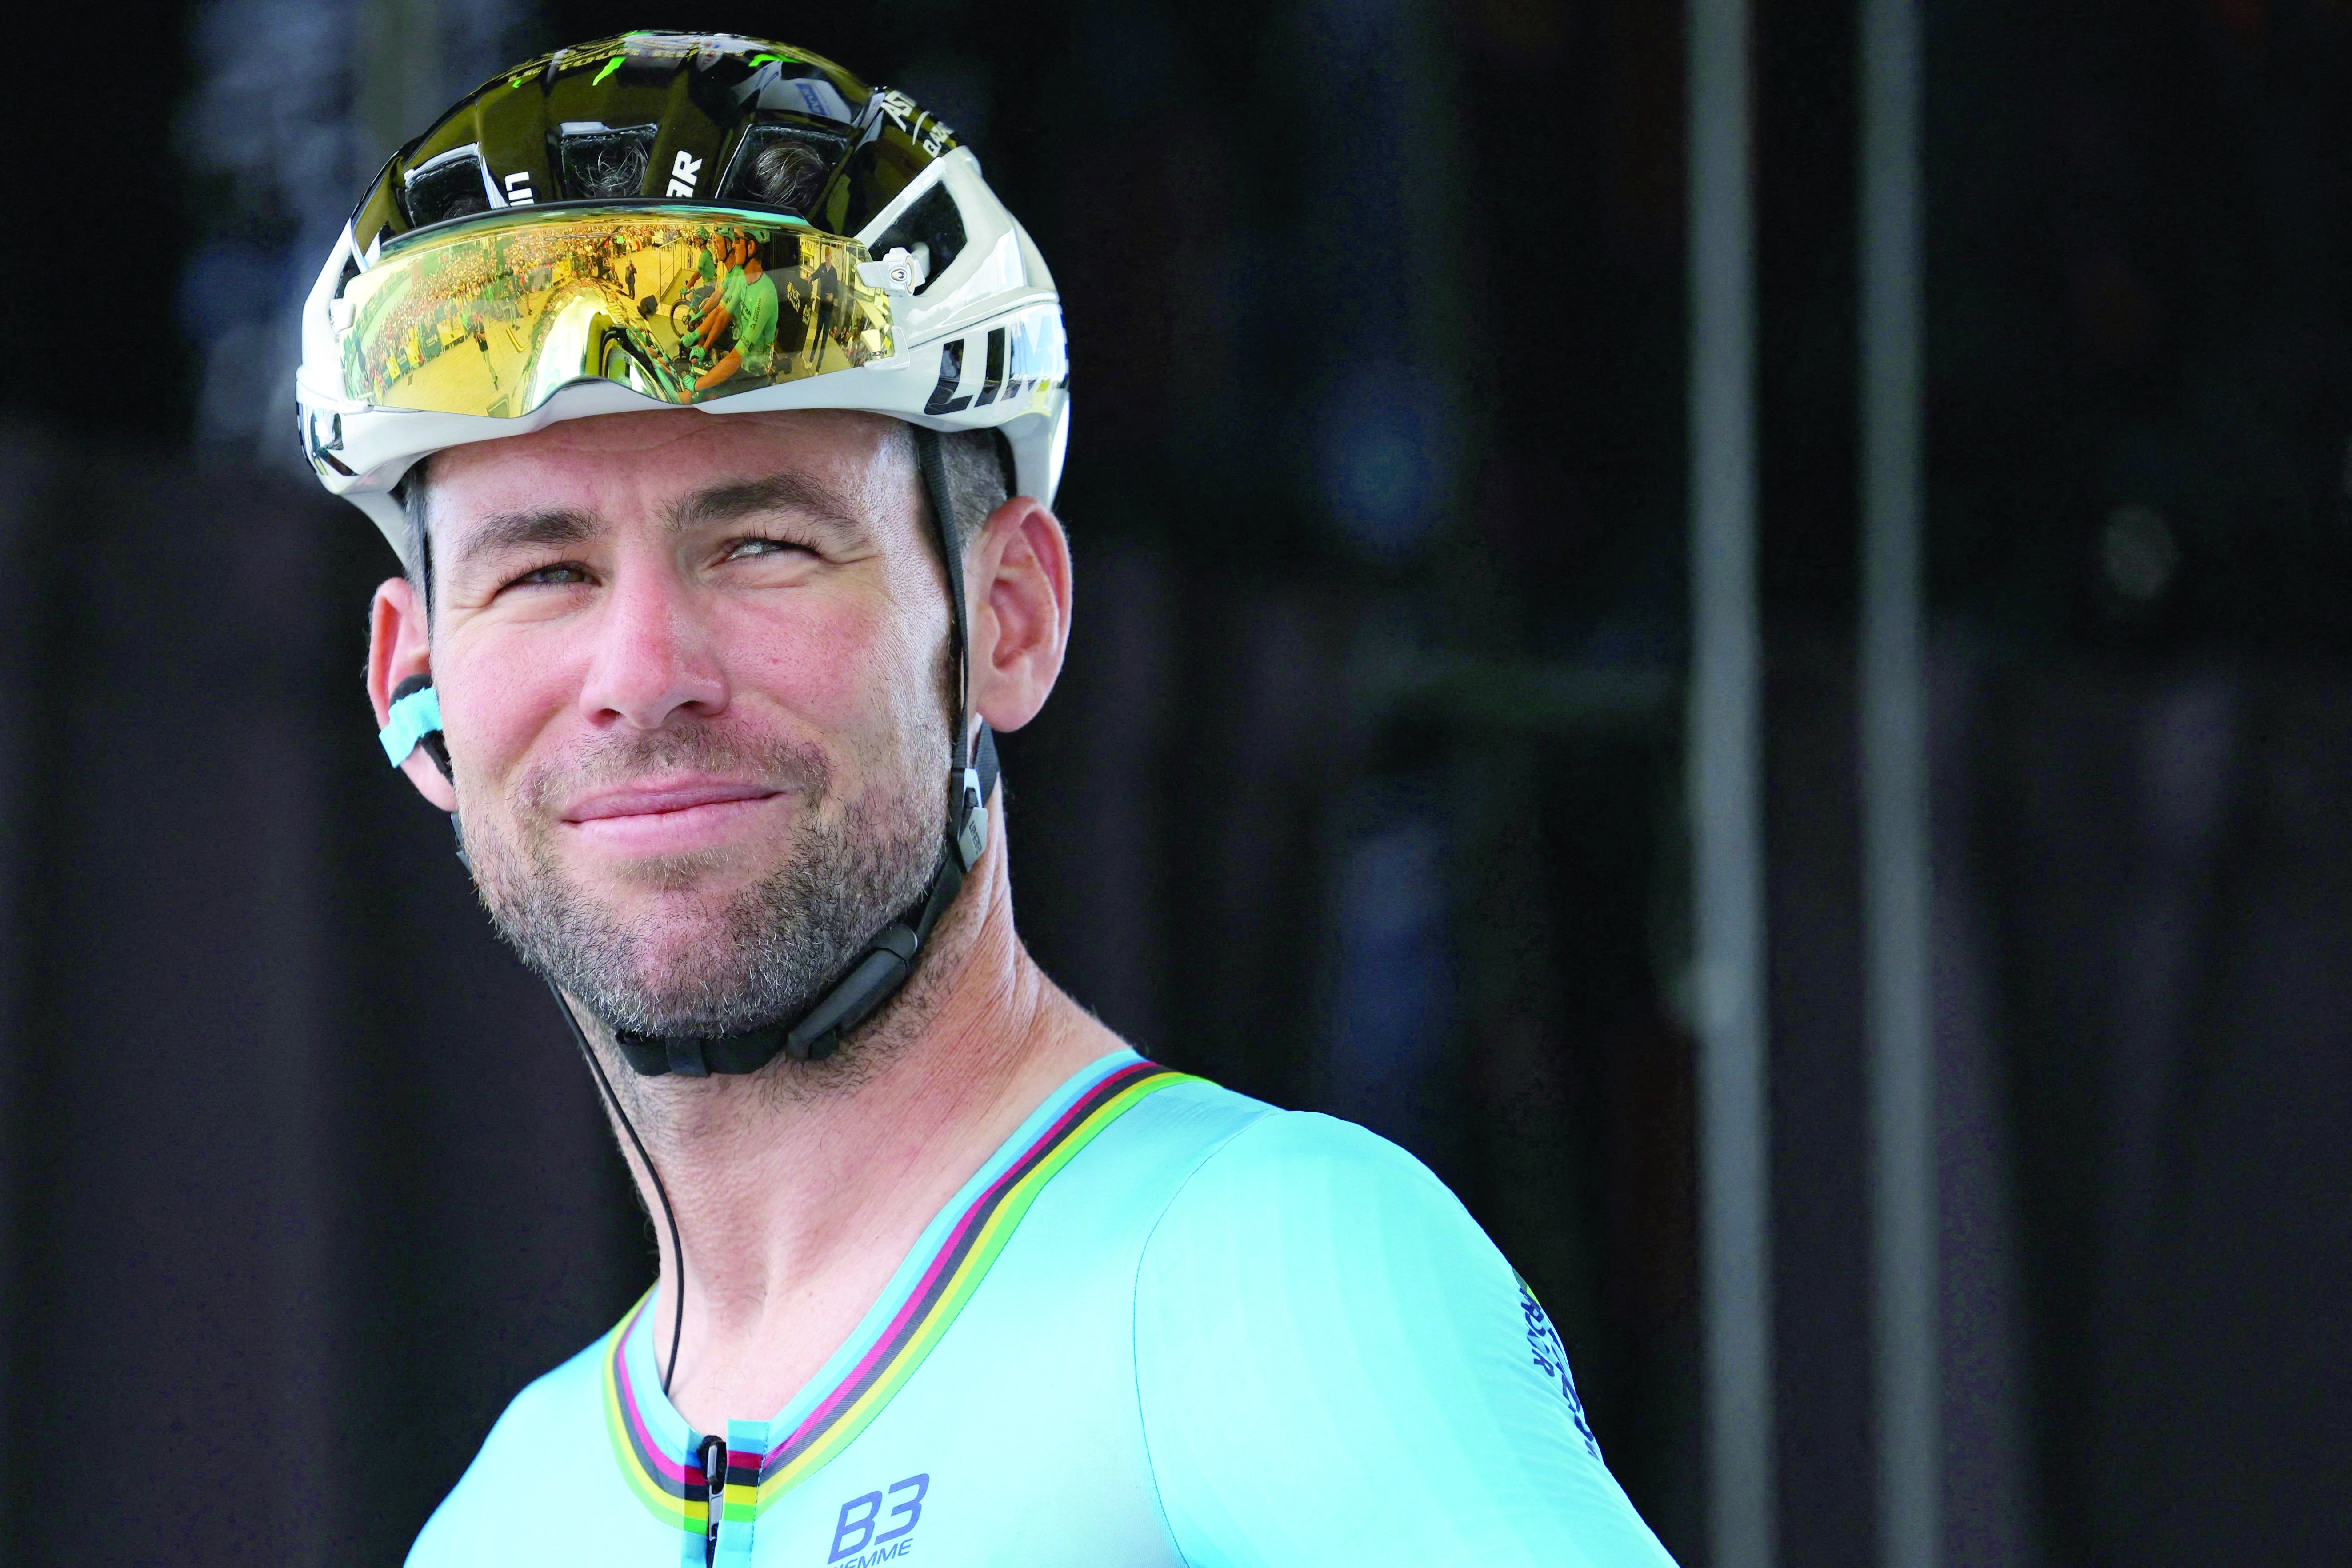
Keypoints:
(1725, 798)
(1894, 750)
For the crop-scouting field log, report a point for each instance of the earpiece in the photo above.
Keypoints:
(416, 720)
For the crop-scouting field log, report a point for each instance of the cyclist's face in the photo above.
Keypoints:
(692, 671)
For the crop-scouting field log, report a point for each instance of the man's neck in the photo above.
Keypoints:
(799, 1189)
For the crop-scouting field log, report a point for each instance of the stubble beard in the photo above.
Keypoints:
(711, 966)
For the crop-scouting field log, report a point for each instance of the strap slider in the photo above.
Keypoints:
(971, 829)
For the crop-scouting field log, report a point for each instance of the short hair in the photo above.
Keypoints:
(414, 492)
(789, 175)
(979, 472)
(978, 466)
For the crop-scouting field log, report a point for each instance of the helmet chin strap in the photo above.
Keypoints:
(874, 975)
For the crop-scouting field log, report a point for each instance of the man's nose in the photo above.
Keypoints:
(654, 656)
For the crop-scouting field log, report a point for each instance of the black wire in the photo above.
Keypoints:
(677, 1250)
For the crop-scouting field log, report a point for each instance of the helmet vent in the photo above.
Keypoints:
(782, 166)
(932, 229)
(606, 164)
(448, 186)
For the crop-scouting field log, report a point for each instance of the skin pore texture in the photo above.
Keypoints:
(691, 667)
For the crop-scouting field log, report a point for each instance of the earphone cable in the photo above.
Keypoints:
(676, 1249)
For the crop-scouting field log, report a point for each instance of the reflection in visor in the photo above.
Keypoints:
(492, 317)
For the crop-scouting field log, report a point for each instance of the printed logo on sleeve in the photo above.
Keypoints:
(1551, 1359)
(866, 1536)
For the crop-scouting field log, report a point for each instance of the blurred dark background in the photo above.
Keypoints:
(1363, 789)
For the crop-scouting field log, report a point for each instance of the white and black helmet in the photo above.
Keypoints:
(575, 239)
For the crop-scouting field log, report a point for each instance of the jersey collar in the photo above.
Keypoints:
(656, 1447)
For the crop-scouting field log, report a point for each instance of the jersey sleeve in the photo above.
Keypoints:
(1335, 1365)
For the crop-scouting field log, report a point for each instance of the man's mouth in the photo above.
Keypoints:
(656, 800)
(666, 816)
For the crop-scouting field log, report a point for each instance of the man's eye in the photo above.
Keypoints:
(561, 572)
(748, 549)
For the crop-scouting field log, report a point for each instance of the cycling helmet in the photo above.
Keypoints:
(574, 237)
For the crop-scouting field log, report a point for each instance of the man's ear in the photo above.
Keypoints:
(1018, 573)
(400, 645)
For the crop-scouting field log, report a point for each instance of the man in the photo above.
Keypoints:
(825, 298)
(748, 309)
(945, 1267)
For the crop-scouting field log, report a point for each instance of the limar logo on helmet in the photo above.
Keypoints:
(909, 119)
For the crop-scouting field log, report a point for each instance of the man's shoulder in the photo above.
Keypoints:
(1180, 1111)
(1301, 1224)
(1221, 1164)
(1334, 1363)
(1219, 1140)
(1129, 1139)
(1245, 1152)
(552, 1415)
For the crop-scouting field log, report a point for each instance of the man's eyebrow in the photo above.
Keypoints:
(525, 530)
(788, 492)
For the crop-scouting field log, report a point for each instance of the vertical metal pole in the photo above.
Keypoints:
(28, 481)
(1725, 799)
(1894, 746)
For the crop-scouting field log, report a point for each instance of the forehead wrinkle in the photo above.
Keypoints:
(788, 490)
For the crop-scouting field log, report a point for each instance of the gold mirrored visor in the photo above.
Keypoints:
(492, 315)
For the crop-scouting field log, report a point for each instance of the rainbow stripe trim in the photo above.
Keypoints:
(676, 1490)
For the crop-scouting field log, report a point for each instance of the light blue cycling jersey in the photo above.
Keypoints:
(1163, 1324)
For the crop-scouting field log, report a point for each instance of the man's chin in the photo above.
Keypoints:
(649, 886)
(675, 930)
(711, 939)
(685, 978)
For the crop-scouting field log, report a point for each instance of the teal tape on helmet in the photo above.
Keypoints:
(411, 719)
